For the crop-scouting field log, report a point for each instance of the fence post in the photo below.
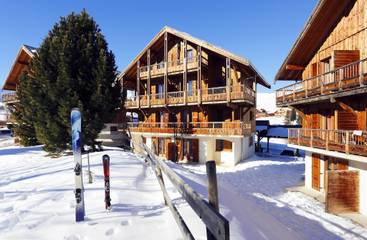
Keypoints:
(360, 73)
(327, 139)
(211, 171)
(160, 176)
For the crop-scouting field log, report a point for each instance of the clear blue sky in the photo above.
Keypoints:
(262, 31)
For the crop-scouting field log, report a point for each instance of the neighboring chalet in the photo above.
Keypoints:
(109, 136)
(329, 66)
(192, 101)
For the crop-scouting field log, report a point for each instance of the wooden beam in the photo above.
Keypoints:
(165, 66)
(294, 67)
(228, 78)
(138, 82)
(345, 107)
(184, 87)
(198, 85)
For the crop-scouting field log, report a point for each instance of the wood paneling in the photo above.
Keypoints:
(347, 120)
(316, 172)
(342, 192)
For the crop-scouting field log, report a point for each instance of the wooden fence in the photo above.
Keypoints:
(217, 226)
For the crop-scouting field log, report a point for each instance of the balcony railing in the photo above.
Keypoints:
(173, 66)
(9, 97)
(208, 128)
(353, 75)
(209, 95)
(350, 142)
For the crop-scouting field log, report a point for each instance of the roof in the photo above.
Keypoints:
(324, 18)
(260, 79)
(25, 54)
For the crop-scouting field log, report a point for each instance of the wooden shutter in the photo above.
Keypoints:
(316, 172)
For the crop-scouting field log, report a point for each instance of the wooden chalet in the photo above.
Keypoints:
(21, 63)
(192, 101)
(328, 63)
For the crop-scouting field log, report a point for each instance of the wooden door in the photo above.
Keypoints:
(316, 172)
(194, 149)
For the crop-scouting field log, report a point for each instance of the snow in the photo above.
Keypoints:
(274, 120)
(37, 199)
(266, 101)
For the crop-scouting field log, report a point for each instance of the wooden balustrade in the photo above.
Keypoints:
(208, 95)
(9, 97)
(206, 128)
(350, 76)
(352, 142)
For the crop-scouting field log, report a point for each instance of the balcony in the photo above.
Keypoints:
(207, 96)
(349, 77)
(10, 97)
(177, 66)
(350, 142)
(205, 128)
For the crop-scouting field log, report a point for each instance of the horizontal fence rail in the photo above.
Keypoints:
(346, 141)
(214, 221)
(216, 128)
(349, 76)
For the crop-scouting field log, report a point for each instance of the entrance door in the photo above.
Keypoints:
(316, 172)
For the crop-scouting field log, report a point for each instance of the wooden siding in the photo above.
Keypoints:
(342, 191)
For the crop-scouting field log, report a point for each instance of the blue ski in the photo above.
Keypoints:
(76, 129)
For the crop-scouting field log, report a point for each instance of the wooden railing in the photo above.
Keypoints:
(353, 75)
(157, 69)
(9, 97)
(206, 128)
(351, 142)
(217, 226)
(208, 95)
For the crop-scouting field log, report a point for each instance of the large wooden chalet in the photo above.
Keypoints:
(191, 101)
(328, 63)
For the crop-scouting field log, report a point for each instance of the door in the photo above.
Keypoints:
(194, 149)
(316, 172)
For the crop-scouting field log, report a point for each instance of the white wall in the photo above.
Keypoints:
(308, 170)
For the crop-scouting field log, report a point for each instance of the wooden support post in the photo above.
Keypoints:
(211, 171)
(327, 139)
(299, 137)
(311, 143)
(184, 87)
(228, 79)
(165, 87)
(138, 83)
(198, 85)
(148, 80)
(321, 86)
(306, 88)
(347, 142)
(361, 73)
(341, 76)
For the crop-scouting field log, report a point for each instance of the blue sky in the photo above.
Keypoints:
(262, 31)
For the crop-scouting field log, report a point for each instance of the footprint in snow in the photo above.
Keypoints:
(109, 232)
(125, 223)
(57, 197)
(7, 209)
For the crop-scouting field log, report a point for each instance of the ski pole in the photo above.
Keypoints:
(106, 171)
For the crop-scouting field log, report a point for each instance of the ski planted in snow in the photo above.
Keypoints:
(76, 129)
(106, 171)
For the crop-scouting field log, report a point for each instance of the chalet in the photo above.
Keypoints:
(329, 66)
(193, 101)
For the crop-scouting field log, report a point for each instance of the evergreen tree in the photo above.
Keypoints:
(73, 68)
(23, 113)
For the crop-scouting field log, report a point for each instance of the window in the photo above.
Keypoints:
(190, 55)
(223, 145)
(189, 88)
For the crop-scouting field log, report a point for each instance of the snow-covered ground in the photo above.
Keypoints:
(266, 101)
(37, 200)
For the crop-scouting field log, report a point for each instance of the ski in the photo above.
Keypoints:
(106, 171)
(76, 144)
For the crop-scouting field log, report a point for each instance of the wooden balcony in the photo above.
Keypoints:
(10, 97)
(177, 66)
(349, 77)
(350, 142)
(207, 96)
(205, 128)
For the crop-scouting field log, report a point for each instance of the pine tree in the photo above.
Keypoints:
(23, 113)
(73, 68)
